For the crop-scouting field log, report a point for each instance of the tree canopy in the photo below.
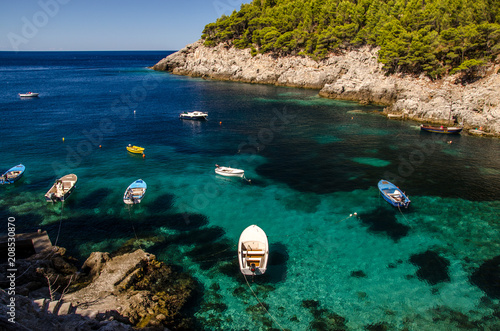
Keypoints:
(432, 36)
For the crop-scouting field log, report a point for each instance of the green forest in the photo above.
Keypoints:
(435, 37)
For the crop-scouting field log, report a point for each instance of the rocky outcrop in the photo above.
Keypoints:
(354, 75)
(124, 291)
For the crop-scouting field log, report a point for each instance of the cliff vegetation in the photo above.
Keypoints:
(435, 37)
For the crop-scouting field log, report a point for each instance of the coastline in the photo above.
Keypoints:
(354, 76)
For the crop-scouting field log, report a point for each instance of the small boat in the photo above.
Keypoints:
(135, 192)
(229, 172)
(62, 188)
(13, 174)
(193, 115)
(135, 149)
(253, 251)
(28, 95)
(441, 129)
(393, 194)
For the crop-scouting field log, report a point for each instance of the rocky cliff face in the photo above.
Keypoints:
(355, 76)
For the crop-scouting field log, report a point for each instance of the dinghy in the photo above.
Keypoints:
(229, 172)
(253, 251)
(135, 149)
(135, 192)
(62, 188)
(393, 194)
(441, 129)
(13, 174)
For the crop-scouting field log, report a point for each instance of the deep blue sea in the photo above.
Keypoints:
(340, 256)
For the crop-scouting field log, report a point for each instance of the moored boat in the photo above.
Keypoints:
(253, 251)
(62, 188)
(135, 149)
(193, 115)
(229, 172)
(13, 174)
(135, 192)
(393, 194)
(441, 129)
(28, 95)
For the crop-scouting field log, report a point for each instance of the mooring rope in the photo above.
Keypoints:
(355, 214)
(133, 228)
(261, 304)
(60, 223)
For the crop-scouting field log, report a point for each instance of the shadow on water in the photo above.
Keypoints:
(210, 254)
(277, 267)
(161, 204)
(383, 220)
(93, 200)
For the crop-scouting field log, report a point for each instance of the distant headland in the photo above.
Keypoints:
(423, 61)
(355, 75)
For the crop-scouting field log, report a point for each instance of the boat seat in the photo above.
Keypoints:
(256, 252)
(254, 259)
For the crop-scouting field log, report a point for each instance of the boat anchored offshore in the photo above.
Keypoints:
(393, 194)
(62, 188)
(441, 129)
(253, 251)
(13, 174)
(28, 95)
(229, 172)
(135, 192)
(135, 149)
(193, 115)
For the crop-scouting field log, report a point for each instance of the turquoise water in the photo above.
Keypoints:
(340, 255)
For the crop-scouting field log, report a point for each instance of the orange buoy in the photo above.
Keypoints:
(100, 146)
(143, 155)
(220, 123)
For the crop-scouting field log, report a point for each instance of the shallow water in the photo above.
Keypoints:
(312, 162)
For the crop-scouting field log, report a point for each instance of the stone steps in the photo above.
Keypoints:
(59, 308)
(54, 307)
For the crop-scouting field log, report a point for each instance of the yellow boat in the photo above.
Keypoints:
(135, 149)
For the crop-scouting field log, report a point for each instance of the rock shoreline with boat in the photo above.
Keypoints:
(354, 76)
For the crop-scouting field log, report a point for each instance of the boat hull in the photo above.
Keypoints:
(393, 194)
(28, 95)
(13, 174)
(441, 129)
(62, 193)
(135, 192)
(253, 251)
(229, 172)
(197, 116)
(135, 149)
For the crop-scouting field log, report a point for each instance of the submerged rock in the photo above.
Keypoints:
(432, 267)
(487, 277)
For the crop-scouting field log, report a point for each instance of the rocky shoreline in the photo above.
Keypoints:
(355, 76)
(123, 291)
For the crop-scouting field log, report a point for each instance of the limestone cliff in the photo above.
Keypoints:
(354, 75)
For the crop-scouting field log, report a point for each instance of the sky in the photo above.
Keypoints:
(94, 25)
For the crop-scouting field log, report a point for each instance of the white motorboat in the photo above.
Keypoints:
(229, 172)
(62, 188)
(253, 251)
(193, 115)
(28, 95)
